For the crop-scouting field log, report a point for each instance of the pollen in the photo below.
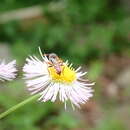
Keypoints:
(67, 74)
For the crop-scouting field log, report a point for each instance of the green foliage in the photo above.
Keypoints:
(62, 122)
(112, 123)
(74, 27)
(95, 70)
(82, 31)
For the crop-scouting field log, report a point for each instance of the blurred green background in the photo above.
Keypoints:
(91, 33)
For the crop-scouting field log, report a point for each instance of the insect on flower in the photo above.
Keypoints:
(52, 77)
(8, 71)
(55, 61)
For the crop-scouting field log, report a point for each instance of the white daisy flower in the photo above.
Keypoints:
(8, 71)
(52, 77)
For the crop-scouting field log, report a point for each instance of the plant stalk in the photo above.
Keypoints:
(17, 106)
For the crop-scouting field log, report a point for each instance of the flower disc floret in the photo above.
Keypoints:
(67, 75)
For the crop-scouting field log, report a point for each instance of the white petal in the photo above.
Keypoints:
(8, 71)
(34, 68)
(80, 74)
(62, 93)
(37, 81)
(46, 93)
(56, 90)
(78, 69)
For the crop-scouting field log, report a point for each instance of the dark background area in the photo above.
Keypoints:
(92, 33)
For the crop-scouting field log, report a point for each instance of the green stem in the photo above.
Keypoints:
(12, 109)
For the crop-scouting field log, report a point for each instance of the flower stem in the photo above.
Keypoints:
(12, 109)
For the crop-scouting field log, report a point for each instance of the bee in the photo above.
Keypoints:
(55, 61)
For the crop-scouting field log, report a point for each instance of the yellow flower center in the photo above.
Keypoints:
(67, 74)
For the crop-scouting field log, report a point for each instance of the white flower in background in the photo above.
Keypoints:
(52, 77)
(8, 71)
